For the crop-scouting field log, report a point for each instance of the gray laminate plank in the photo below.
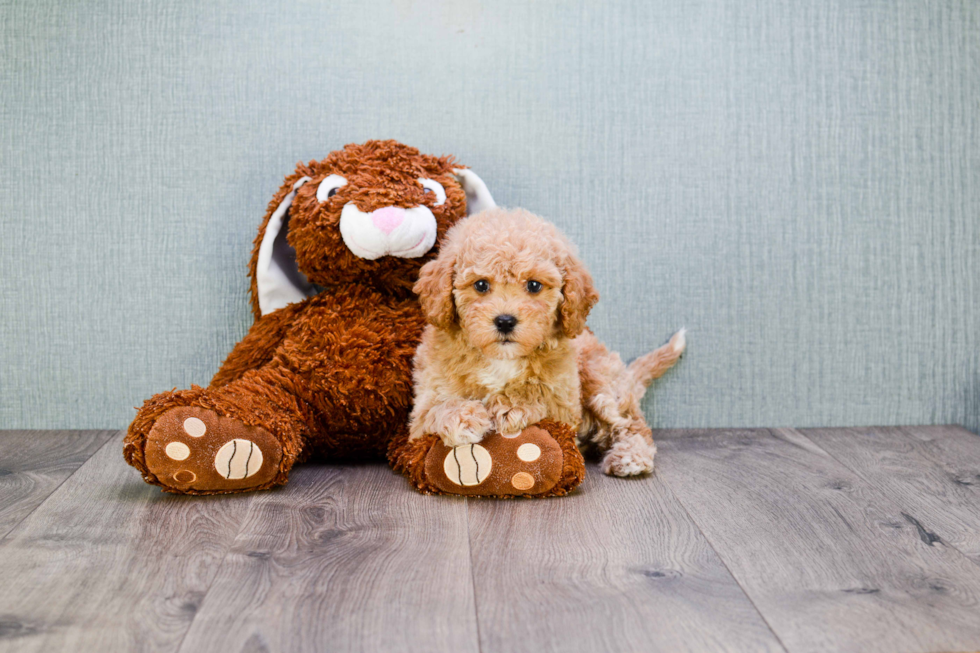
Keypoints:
(616, 566)
(830, 561)
(109, 563)
(34, 463)
(351, 559)
(934, 472)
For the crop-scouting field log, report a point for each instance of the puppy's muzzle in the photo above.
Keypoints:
(505, 323)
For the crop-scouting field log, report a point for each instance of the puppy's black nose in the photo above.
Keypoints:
(505, 323)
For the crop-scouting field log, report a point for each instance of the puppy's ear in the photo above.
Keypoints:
(578, 298)
(435, 289)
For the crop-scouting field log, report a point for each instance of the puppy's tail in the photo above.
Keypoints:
(652, 366)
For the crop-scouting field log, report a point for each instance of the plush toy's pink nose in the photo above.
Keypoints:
(388, 218)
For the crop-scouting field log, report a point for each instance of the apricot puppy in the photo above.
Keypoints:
(506, 346)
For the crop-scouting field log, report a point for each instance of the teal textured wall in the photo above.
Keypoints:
(797, 182)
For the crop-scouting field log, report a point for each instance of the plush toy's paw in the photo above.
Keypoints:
(193, 450)
(542, 460)
(629, 457)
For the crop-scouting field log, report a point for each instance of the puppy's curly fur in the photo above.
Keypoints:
(506, 346)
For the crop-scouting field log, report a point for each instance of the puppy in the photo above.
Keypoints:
(506, 345)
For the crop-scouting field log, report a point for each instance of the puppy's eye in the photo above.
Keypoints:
(329, 187)
(482, 286)
(533, 286)
(434, 187)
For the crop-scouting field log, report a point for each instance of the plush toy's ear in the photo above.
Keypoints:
(435, 289)
(478, 196)
(578, 298)
(276, 279)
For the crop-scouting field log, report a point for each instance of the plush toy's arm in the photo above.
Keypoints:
(258, 347)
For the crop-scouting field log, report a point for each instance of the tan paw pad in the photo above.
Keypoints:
(238, 459)
(178, 451)
(528, 452)
(469, 464)
(195, 427)
(185, 477)
(522, 481)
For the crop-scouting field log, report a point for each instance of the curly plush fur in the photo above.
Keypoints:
(507, 300)
(329, 376)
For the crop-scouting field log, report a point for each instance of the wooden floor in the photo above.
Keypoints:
(764, 540)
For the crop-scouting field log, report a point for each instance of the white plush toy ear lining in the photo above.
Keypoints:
(478, 196)
(277, 275)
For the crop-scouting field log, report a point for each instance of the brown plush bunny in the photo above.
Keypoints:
(325, 369)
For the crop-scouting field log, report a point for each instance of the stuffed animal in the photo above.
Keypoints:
(325, 370)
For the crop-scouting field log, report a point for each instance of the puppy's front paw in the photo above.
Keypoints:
(467, 425)
(630, 457)
(509, 422)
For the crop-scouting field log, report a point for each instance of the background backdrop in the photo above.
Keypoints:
(797, 182)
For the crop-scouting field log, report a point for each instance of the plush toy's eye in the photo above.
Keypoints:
(533, 286)
(433, 186)
(482, 286)
(329, 187)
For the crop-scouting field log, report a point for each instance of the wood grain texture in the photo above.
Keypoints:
(616, 566)
(832, 562)
(109, 563)
(744, 540)
(932, 471)
(34, 463)
(351, 559)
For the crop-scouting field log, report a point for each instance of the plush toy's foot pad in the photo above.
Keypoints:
(529, 464)
(191, 449)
